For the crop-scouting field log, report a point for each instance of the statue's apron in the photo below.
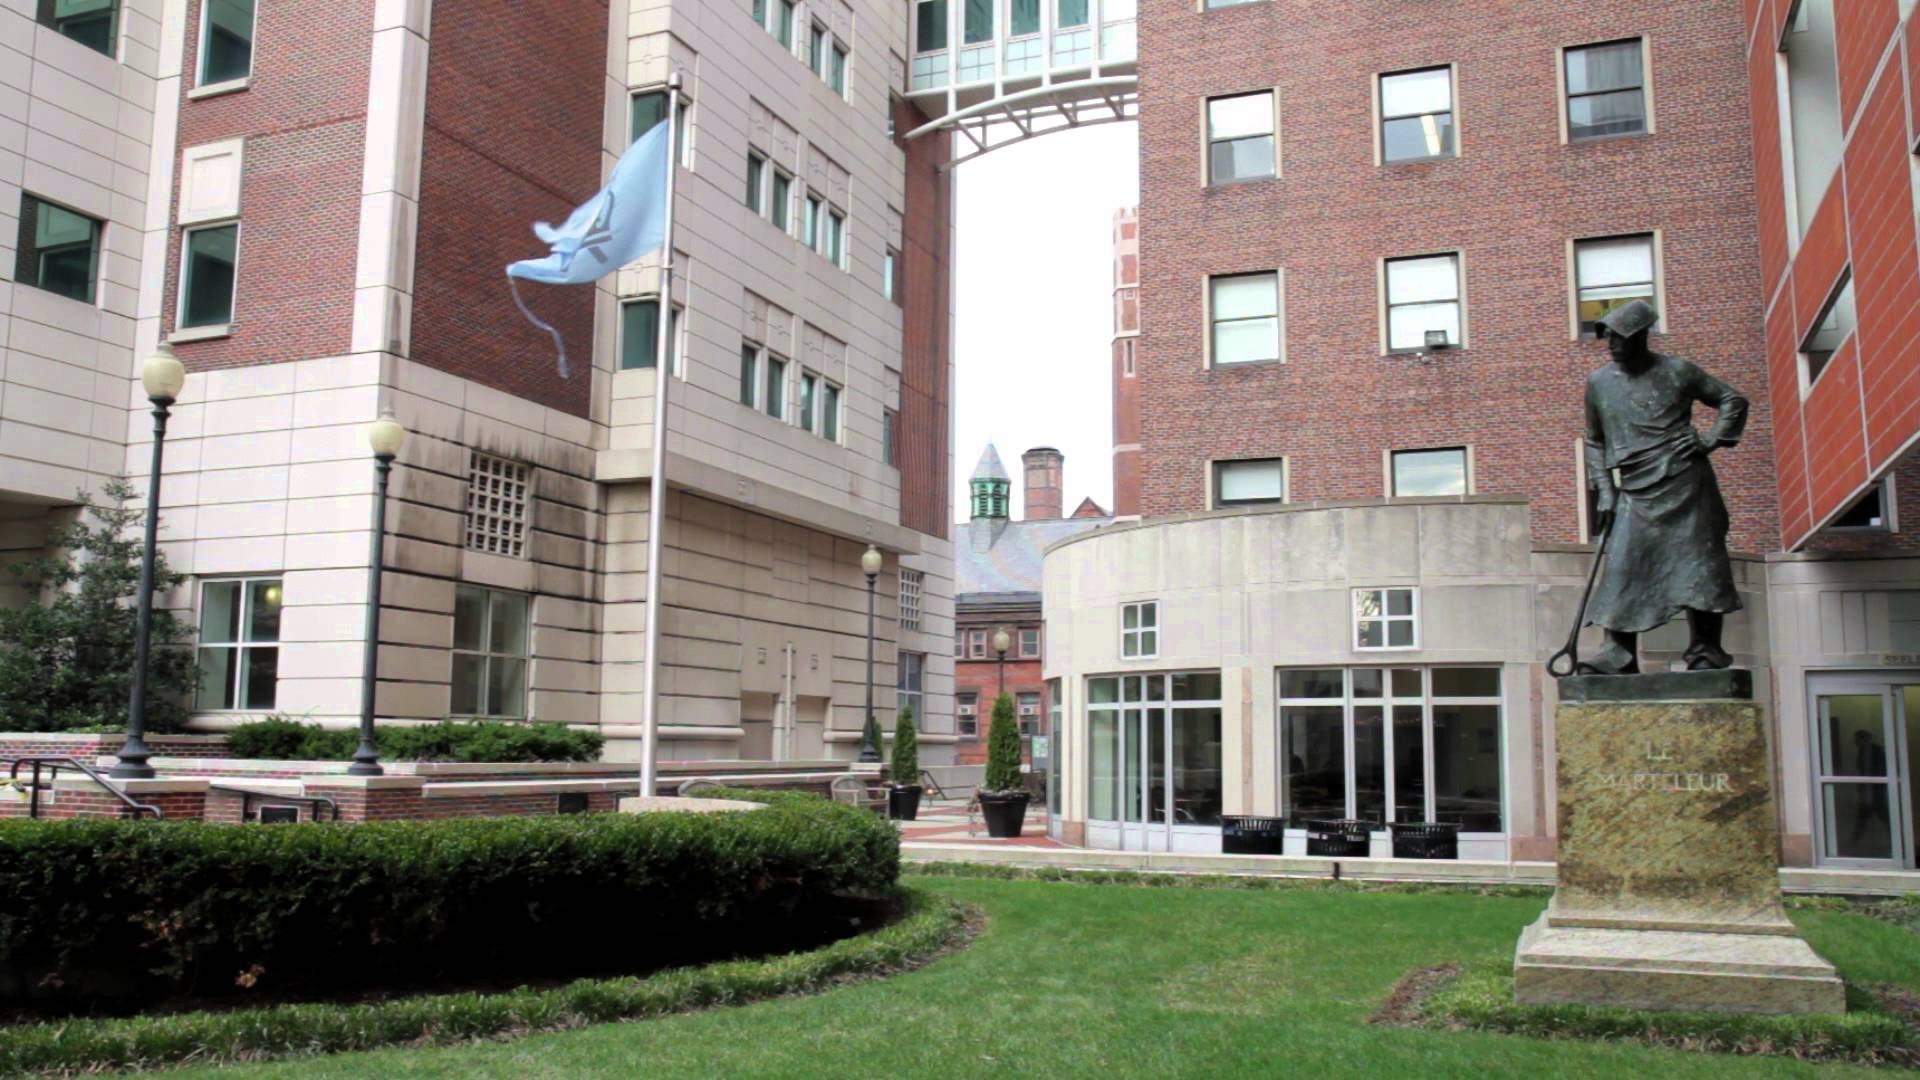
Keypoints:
(1667, 551)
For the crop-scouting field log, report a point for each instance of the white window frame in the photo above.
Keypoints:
(1279, 317)
(203, 88)
(182, 332)
(1387, 305)
(1217, 466)
(912, 669)
(675, 333)
(1659, 284)
(1841, 286)
(1393, 481)
(1889, 516)
(488, 654)
(768, 361)
(240, 646)
(1412, 618)
(1021, 638)
(763, 197)
(780, 210)
(1130, 638)
(1380, 118)
(967, 713)
(1566, 99)
(753, 357)
(1208, 140)
(911, 584)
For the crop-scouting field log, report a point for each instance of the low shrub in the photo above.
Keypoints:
(107, 909)
(277, 738)
(1003, 751)
(906, 749)
(929, 924)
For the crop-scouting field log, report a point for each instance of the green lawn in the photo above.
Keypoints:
(1086, 980)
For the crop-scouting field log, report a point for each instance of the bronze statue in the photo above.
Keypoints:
(1663, 523)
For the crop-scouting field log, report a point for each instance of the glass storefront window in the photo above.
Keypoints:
(1154, 748)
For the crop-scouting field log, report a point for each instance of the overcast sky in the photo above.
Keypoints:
(1033, 305)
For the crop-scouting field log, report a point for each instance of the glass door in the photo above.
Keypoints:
(1144, 759)
(1862, 817)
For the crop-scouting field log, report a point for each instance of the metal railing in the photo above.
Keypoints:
(53, 766)
(313, 803)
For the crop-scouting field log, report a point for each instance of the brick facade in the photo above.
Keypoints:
(511, 137)
(981, 676)
(1126, 384)
(1510, 202)
(924, 285)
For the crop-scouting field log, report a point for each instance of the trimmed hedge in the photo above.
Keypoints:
(277, 738)
(97, 910)
(929, 924)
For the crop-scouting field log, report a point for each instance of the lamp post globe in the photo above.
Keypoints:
(385, 437)
(870, 563)
(1002, 641)
(163, 377)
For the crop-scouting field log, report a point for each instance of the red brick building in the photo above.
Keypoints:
(1126, 383)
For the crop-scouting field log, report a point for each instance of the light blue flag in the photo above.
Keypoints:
(624, 222)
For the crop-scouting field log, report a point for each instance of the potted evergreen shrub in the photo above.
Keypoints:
(903, 797)
(1003, 794)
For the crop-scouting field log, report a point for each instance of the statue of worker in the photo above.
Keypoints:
(1664, 521)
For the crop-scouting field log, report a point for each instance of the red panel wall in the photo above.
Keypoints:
(515, 104)
(920, 443)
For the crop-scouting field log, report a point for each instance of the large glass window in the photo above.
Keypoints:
(59, 250)
(1423, 298)
(756, 183)
(1154, 743)
(1245, 310)
(1250, 482)
(780, 206)
(911, 684)
(835, 249)
(489, 653)
(1054, 755)
(239, 643)
(1391, 744)
(775, 400)
(1416, 115)
(930, 26)
(226, 41)
(640, 334)
(90, 22)
(1605, 92)
(1240, 137)
(976, 21)
(1025, 17)
(783, 24)
(1812, 85)
(1611, 272)
(649, 109)
(1830, 330)
(749, 373)
(1430, 472)
(207, 276)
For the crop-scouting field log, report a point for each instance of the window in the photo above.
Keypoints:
(1425, 745)
(930, 26)
(968, 706)
(1416, 115)
(1386, 619)
(976, 21)
(976, 644)
(497, 491)
(1245, 311)
(1174, 779)
(1054, 752)
(1606, 95)
(780, 209)
(775, 402)
(1830, 330)
(649, 109)
(759, 9)
(837, 70)
(830, 412)
(756, 183)
(207, 276)
(783, 24)
(1867, 514)
(889, 447)
(489, 653)
(810, 224)
(836, 238)
(1213, 5)
(1140, 630)
(1423, 295)
(90, 22)
(1030, 642)
(1126, 360)
(239, 643)
(1070, 13)
(226, 41)
(749, 373)
(1812, 132)
(1250, 482)
(1024, 17)
(910, 581)
(1240, 137)
(817, 51)
(959, 644)
(640, 334)
(808, 382)
(59, 250)
(1609, 273)
(1027, 708)
(890, 275)
(1429, 472)
(913, 668)
(990, 498)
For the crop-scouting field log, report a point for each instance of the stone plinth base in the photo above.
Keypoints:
(1673, 970)
(644, 804)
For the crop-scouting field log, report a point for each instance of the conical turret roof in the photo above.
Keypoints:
(990, 467)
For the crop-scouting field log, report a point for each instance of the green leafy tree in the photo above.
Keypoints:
(66, 655)
(1003, 750)
(906, 749)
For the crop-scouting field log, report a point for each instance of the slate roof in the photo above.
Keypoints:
(1012, 564)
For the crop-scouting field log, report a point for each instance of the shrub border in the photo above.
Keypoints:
(931, 925)
(1479, 997)
(1176, 879)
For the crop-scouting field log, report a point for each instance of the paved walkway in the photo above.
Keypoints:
(944, 821)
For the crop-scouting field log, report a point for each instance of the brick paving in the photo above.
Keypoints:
(946, 822)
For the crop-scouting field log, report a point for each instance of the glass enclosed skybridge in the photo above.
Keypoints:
(1001, 71)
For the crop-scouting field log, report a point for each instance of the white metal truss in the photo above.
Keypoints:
(1017, 117)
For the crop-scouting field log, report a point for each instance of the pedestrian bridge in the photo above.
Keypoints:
(997, 72)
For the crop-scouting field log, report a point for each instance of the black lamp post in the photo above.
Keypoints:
(870, 563)
(163, 375)
(1001, 643)
(384, 438)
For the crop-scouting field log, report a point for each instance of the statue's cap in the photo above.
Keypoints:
(1628, 319)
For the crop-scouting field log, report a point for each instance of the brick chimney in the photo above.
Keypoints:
(1044, 465)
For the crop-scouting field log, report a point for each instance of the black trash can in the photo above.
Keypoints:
(1425, 840)
(1251, 835)
(1345, 838)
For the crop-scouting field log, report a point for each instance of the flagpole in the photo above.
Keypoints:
(657, 481)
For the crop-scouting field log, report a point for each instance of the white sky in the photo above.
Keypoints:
(1033, 305)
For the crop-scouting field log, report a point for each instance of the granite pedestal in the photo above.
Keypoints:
(1669, 889)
